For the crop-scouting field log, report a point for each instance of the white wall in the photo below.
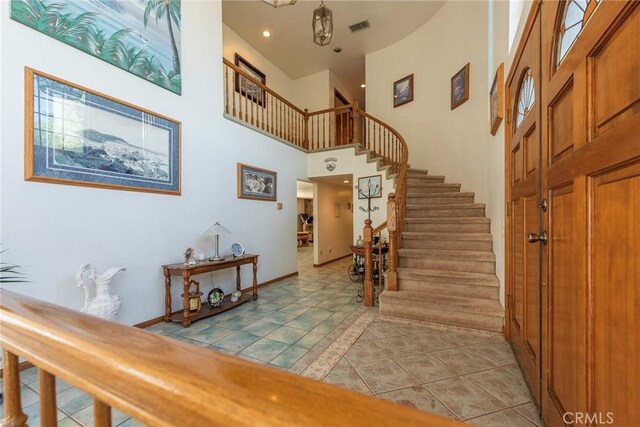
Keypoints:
(276, 78)
(336, 83)
(455, 143)
(52, 229)
(331, 233)
(311, 92)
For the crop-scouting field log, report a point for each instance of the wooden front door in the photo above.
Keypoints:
(523, 139)
(591, 177)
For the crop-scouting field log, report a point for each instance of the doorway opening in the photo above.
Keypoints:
(304, 222)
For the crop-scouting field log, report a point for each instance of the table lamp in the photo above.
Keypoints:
(217, 229)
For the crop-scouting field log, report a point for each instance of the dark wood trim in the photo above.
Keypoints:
(333, 260)
(160, 319)
(531, 19)
(22, 366)
(340, 97)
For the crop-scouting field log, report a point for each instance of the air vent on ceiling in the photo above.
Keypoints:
(359, 26)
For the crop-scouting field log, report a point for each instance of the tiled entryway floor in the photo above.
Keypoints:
(312, 325)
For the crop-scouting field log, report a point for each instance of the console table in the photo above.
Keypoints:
(186, 271)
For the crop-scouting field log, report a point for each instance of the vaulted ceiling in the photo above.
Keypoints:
(291, 46)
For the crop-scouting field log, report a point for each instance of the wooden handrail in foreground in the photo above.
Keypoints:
(160, 381)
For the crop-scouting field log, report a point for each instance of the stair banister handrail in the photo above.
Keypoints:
(368, 261)
(161, 381)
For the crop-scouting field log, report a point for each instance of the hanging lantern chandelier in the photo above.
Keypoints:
(276, 3)
(322, 25)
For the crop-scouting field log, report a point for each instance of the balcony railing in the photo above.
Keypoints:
(161, 381)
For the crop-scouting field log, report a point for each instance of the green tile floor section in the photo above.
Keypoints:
(288, 319)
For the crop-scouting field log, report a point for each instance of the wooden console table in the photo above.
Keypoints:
(186, 271)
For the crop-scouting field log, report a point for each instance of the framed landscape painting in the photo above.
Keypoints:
(496, 100)
(140, 36)
(256, 183)
(460, 87)
(77, 136)
(403, 91)
(246, 87)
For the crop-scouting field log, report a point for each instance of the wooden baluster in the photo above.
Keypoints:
(264, 105)
(239, 98)
(324, 129)
(13, 415)
(379, 133)
(355, 122)
(392, 271)
(317, 143)
(101, 414)
(233, 93)
(306, 128)
(47, 390)
(280, 125)
(226, 89)
(368, 263)
(270, 113)
(246, 101)
(253, 107)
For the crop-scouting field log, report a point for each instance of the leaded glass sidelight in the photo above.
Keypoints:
(322, 25)
(574, 17)
(526, 97)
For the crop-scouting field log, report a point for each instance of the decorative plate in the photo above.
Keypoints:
(237, 249)
(215, 297)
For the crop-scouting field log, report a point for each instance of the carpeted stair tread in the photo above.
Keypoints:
(482, 279)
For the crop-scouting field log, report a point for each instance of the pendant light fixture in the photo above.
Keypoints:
(276, 3)
(322, 25)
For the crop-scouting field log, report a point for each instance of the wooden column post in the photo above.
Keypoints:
(13, 415)
(392, 226)
(306, 128)
(47, 389)
(355, 122)
(368, 263)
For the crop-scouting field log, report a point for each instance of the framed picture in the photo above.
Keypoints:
(246, 87)
(77, 136)
(403, 91)
(141, 37)
(336, 210)
(496, 99)
(370, 187)
(256, 183)
(460, 87)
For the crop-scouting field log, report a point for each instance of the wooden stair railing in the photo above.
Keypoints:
(160, 381)
(251, 102)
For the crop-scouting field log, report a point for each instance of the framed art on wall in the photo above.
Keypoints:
(246, 87)
(496, 100)
(370, 187)
(141, 37)
(460, 87)
(257, 183)
(77, 136)
(403, 91)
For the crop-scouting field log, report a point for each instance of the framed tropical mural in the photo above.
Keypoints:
(140, 36)
(76, 136)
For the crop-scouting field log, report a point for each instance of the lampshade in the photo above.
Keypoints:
(322, 25)
(217, 229)
(276, 3)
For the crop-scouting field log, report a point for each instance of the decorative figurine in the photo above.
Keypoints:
(235, 296)
(104, 304)
(195, 303)
(190, 257)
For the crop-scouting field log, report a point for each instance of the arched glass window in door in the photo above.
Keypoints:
(574, 17)
(526, 97)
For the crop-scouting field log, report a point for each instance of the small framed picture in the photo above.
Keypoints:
(256, 183)
(246, 87)
(496, 100)
(460, 87)
(403, 91)
(370, 187)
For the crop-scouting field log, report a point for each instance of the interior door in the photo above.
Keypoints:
(524, 198)
(591, 177)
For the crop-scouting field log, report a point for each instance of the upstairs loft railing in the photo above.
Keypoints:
(251, 102)
(160, 381)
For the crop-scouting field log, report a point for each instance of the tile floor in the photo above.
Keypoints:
(312, 325)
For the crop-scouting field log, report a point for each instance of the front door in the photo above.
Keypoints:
(591, 177)
(524, 199)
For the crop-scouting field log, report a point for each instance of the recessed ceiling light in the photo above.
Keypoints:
(337, 50)
(363, 85)
(346, 181)
(266, 34)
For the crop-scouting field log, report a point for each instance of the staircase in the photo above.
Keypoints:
(446, 271)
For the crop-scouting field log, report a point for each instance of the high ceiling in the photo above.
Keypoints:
(291, 46)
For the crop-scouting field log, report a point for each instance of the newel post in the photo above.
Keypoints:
(306, 128)
(392, 227)
(355, 122)
(367, 235)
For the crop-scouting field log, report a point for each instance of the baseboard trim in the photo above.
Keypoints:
(333, 260)
(160, 319)
(21, 367)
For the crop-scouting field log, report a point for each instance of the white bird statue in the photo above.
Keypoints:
(104, 304)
